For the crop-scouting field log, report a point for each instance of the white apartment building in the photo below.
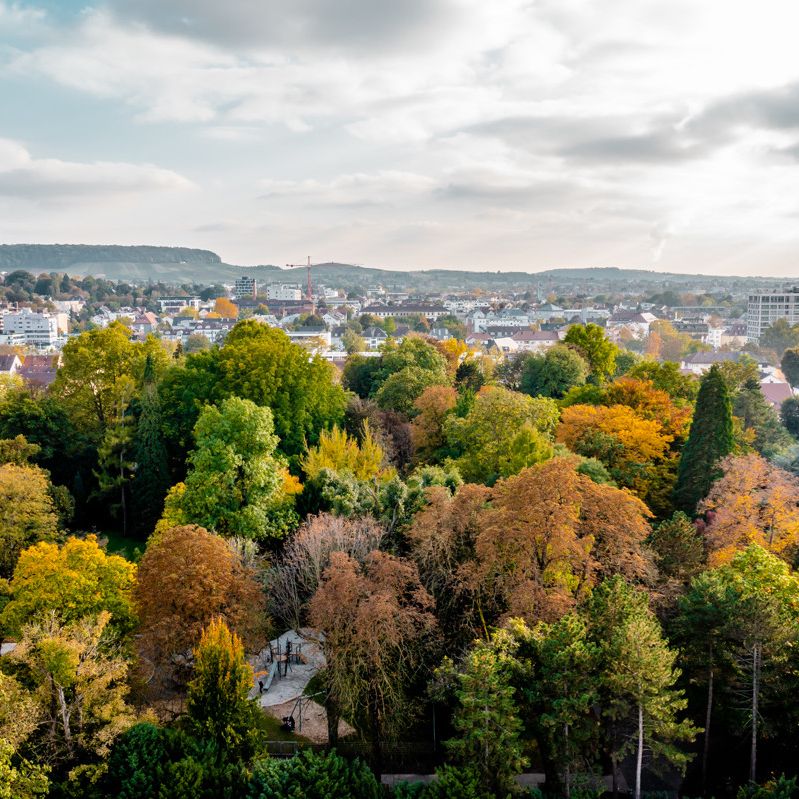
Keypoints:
(39, 329)
(286, 292)
(765, 308)
(245, 287)
(171, 306)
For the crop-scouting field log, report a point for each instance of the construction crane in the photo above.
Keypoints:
(309, 291)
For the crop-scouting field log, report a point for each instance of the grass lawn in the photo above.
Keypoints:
(271, 727)
(120, 545)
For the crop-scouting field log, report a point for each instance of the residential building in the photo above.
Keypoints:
(10, 364)
(374, 337)
(40, 370)
(172, 306)
(537, 341)
(765, 308)
(431, 312)
(284, 292)
(245, 287)
(39, 329)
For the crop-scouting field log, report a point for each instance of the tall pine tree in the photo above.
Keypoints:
(152, 473)
(710, 439)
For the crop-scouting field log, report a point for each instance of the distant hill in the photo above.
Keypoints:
(184, 264)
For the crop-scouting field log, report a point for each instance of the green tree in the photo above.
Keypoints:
(666, 376)
(764, 623)
(217, 703)
(789, 414)
(554, 373)
(779, 336)
(99, 371)
(678, 547)
(260, 364)
(352, 342)
(790, 365)
(151, 481)
(770, 437)
(702, 630)
(560, 690)
(503, 433)
(486, 721)
(638, 677)
(360, 374)
(600, 353)
(313, 775)
(234, 485)
(709, 440)
(20, 779)
(401, 389)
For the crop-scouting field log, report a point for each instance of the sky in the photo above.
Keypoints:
(505, 135)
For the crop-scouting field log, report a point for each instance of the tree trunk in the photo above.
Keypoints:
(640, 755)
(567, 770)
(614, 778)
(755, 699)
(377, 752)
(708, 712)
(123, 503)
(331, 709)
(64, 713)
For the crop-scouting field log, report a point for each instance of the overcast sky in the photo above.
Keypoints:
(504, 134)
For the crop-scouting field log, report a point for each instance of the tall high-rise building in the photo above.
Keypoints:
(765, 308)
(246, 287)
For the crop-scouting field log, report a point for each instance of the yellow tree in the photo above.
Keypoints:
(81, 686)
(427, 428)
(342, 453)
(70, 582)
(630, 446)
(754, 502)
(27, 512)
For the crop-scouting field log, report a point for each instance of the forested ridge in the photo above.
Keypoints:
(579, 563)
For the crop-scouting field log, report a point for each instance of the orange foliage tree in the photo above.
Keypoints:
(427, 428)
(378, 624)
(532, 546)
(225, 308)
(187, 577)
(634, 449)
(754, 502)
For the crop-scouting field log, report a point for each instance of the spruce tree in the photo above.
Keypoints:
(710, 439)
(152, 473)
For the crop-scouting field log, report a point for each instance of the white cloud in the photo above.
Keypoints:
(50, 179)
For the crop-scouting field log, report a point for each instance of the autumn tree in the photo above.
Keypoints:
(235, 481)
(432, 408)
(68, 583)
(217, 702)
(296, 576)
(678, 547)
(630, 446)
(81, 686)
(226, 308)
(336, 450)
(600, 353)
(27, 512)
(710, 439)
(503, 433)
(187, 577)
(551, 533)
(779, 336)
(442, 540)
(378, 627)
(753, 502)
